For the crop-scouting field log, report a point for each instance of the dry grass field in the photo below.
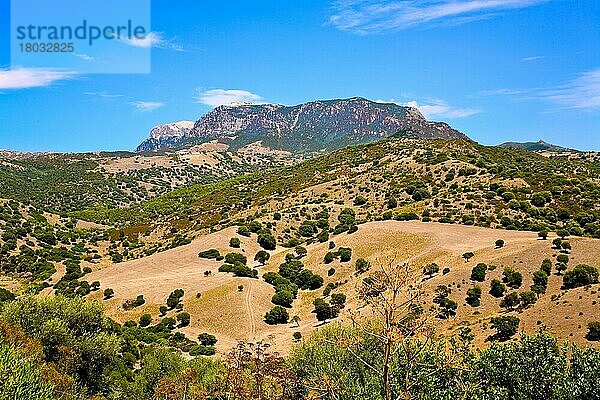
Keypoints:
(232, 314)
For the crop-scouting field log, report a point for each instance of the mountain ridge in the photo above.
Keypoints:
(540, 145)
(307, 127)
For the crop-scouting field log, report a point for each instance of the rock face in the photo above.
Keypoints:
(167, 135)
(314, 126)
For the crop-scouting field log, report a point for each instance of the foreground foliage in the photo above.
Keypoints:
(60, 348)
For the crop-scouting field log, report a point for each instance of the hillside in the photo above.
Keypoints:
(310, 127)
(279, 250)
(537, 146)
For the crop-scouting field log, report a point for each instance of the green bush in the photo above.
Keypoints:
(593, 333)
(505, 326)
(212, 253)
(207, 339)
(145, 320)
(277, 315)
(497, 288)
(474, 296)
(581, 275)
(478, 272)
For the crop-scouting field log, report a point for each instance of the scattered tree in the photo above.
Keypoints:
(506, 327)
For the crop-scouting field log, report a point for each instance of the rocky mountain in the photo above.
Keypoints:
(168, 135)
(536, 146)
(314, 126)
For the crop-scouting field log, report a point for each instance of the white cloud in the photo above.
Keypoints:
(218, 97)
(436, 108)
(23, 78)
(152, 39)
(380, 16)
(146, 106)
(104, 94)
(582, 93)
(501, 92)
(532, 58)
(85, 57)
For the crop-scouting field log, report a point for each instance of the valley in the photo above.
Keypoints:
(208, 246)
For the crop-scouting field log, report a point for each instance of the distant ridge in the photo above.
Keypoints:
(308, 127)
(537, 146)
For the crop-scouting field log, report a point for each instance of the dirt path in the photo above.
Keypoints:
(250, 309)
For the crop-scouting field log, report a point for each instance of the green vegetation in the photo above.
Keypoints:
(277, 315)
(581, 275)
(478, 272)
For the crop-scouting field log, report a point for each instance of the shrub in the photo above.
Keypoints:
(474, 296)
(499, 243)
(174, 298)
(506, 326)
(243, 231)
(329, 257)
(447, 307)
(581, 275)
(5, 295)
(235, 242)
(497, 288)
(163, 310)
(593, 333)
(562, 258)
(200, 350)
(207, 339)
(283, 298)
(277, 315)
(512, 278)
(232, 258)
(547, 266)
(139, 300)
(262, 257)
(360, 200)
(330, 271)
(297, 336)
(361, 266)
(212, 253)
(478, 272)
(431, 269)
(145, 320)
(510, 301)
(266, 240)
(391, 202)
(527, 298)
(468, 255)
(108, 293)
(323, 310)
(254, 226)
(338, 301)
(183, 318)
(345, 254)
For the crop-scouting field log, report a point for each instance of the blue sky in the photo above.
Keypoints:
(497, 70)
